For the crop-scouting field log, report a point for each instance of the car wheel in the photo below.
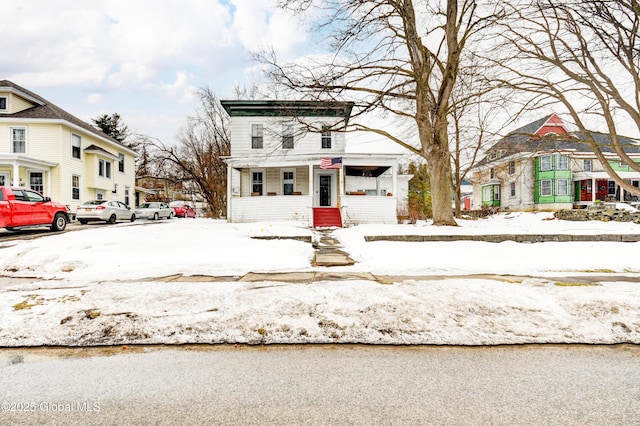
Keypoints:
(133, 218)
(112, 219)
(11, 228)
(156, 216)
(170, 215)
(82, 221)
(59, 222)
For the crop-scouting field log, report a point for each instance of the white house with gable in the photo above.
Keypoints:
(288, 162)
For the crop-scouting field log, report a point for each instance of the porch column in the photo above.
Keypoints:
(229, 193)
(311, 183)
(394, 180)
(621, 194)
(16, 174)
(593, 190)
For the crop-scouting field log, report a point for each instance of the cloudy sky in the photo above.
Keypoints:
(143, 58)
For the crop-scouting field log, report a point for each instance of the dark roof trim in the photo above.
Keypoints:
(95, 149)
(243, 108)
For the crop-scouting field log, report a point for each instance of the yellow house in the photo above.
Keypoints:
(45, 148)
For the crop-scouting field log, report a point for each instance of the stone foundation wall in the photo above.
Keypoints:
(603, 214)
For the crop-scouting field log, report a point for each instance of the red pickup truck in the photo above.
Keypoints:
(21, 207)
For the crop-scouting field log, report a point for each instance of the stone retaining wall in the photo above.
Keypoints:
(604, 214)
(498, 238)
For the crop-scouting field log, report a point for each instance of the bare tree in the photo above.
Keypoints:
(197, 158)
(582, 55)
(400, 59)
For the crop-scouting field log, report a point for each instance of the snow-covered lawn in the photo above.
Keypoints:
(104, 286)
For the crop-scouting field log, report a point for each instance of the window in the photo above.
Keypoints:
(512, 167)
(587, 165)
(257, 138)
(19, 140)
(126, 195)
(99, 196)
(76, 144)
(512, 189)
(3, 103)
(623, 165)
(563, 162)
(545, 188)
(496, 192)
(75, 187)
(612, 187)
(36, 181)
(326, 137)
(256, 183)
(121, 162)
(492, 173)
(104, 168)
(635, 183)
(562, 187)
(545, 163)
(288, 182)
(287, 137)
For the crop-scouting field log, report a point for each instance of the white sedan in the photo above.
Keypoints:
(154, 211)
(108, 211)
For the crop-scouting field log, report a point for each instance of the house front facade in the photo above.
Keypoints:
(288, 163)
(45, 148)
(542, 166)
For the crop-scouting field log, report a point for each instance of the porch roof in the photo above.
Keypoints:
(25, 161)
(293, 160)
(604, 175)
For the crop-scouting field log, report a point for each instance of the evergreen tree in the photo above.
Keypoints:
(112, 125)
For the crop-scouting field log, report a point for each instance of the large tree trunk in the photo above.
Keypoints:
(440, 175)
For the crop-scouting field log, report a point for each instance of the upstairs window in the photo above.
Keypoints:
(104, 169)
(326, 137)
(545, 163)
(19, 140)
(76, 145)
(3, 103)
(257, 136)
(287, 137)
(562, 162)
(512, 167)
(121, 162)
(492, 173)
(587, 165)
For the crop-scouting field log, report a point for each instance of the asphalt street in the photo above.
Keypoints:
(322, 384)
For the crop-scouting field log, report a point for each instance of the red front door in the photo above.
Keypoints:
(602, 189)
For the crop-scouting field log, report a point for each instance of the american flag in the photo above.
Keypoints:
(331, 163)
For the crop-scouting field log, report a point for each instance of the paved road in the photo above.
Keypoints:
(349, 384)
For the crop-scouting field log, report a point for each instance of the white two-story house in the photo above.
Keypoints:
(288, 163)
(44, 148)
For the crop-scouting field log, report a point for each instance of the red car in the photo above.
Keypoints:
(22, 208)
(182, 209)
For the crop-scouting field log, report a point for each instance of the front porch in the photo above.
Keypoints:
(22, 171)
(289, 190)
(602, 189)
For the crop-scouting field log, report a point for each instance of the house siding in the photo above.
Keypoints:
(304, 142)
(358, 210)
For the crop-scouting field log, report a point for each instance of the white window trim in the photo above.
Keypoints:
(584, 164)
(558, 159)
(550, 163)
(512, 189)
(79, 148)
(121, 159)
(6, 103)
(264, 180)
(251, 135)
(282, 172)
(26, 139)
(7, 178)
(558, 186)
(105, 162)
(79, 187)
(550, 182)
(326, 129)
(511, 163)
